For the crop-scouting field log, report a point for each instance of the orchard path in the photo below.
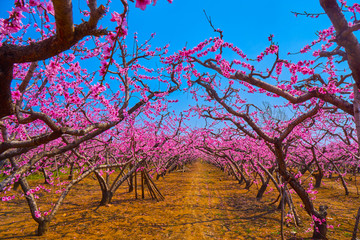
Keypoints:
(200, 203)
(204, 200)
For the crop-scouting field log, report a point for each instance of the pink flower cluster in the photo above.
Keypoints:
(269, 50)
(120, 19)
(143, 3)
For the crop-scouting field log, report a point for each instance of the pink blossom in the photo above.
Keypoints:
(34, 3)
(142, 4)
(37, 214)
(121, 21)
(50, 7)
(16, 95)
(218, 57)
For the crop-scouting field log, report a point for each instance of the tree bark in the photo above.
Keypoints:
(6, 76)
(356, 225)
(46, 176)
(43, 227)
(320, 227)
(318, 179)
(357, 112)
(319, 231)
(262, 189)
(106, 197)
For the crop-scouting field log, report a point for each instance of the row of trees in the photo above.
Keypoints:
(62, 116)
(127, 150)
(324, 100)
(306, 156)
(59, 113)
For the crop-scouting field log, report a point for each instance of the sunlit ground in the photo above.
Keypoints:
(200, 203)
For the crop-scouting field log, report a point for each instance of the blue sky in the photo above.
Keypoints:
(247, 24)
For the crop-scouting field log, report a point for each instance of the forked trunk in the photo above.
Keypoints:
(319, 217)
(248, 184)
(106, 197)
(43, 227)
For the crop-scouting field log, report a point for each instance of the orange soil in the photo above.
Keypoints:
(200, 203)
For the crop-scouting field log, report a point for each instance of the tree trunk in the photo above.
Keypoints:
(172, 168)
(320, 227)
(106, 192)
(248, 184)
(282, 203)
(320, 175)
(356, 225)
(43, 227)
(106, 197)
(135, 180)
(262, 189)
(71, 173)
(235, 174)
(142, 185)
(131, 183)
(357, 112)
(318, 178)
(46, 176)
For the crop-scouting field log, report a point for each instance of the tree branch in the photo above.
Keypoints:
(64, 20)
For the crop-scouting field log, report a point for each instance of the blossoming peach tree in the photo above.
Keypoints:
(60, 113)
(314, 86)
(56, 105)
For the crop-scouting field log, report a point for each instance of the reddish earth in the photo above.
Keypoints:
(200, 203)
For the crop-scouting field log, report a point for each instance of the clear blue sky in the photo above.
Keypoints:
(245, 23)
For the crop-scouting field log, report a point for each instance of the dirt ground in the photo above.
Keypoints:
(200, 203)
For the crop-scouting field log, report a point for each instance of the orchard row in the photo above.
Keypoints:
(80, 100)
